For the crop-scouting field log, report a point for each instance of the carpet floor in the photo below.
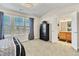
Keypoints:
(46, 48)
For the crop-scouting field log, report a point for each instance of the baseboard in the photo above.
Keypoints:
(76, 49)
(36, 38)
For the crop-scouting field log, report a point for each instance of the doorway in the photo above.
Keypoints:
(65, 34)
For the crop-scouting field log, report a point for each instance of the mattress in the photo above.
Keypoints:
(11, 47)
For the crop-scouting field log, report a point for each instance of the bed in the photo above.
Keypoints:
(11, 47)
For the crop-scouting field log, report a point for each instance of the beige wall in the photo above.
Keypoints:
(36, 27)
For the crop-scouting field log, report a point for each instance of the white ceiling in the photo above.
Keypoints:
(38, 9)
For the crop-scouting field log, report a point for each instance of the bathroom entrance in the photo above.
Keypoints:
(65, 34)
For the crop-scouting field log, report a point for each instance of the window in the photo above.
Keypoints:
(27, 22)
(19, 21)
(27, 25)
(19, 25)
(16, 25)
(7, 24)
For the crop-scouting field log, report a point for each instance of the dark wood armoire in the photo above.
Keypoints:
(44, 31)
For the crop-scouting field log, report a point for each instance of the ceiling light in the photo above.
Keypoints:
(28, 5)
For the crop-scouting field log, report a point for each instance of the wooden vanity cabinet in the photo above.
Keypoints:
(64, 36)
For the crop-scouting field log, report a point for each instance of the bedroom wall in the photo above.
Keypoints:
(36, 19)
(36, 27)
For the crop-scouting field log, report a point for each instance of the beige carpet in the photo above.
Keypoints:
(45, 48)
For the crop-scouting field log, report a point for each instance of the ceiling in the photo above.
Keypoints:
(38, 9)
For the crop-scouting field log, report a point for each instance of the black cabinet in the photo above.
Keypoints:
(44, 31)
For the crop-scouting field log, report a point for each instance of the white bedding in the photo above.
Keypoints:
(7, 47)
